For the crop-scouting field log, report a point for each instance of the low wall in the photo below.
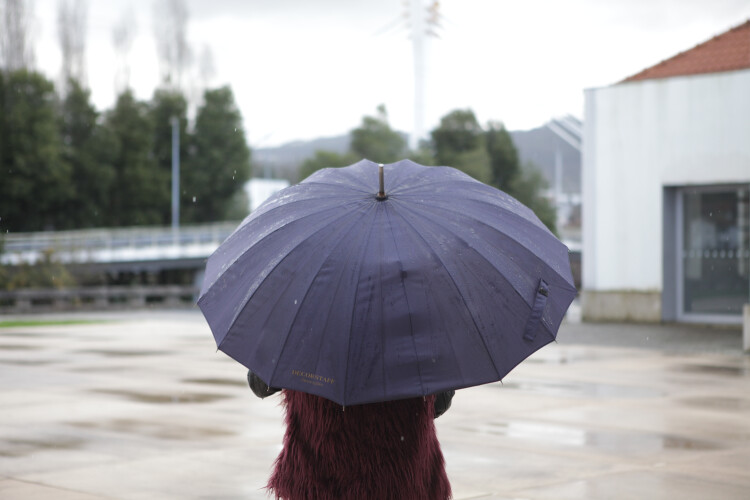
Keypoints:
(621, 305)
(96, 298)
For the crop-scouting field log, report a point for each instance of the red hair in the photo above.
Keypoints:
(376, 451)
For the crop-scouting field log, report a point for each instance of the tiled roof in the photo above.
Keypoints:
(728, 51)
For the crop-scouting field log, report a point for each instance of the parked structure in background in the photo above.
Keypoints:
(555, 149)
(666, 189)
(259, 190)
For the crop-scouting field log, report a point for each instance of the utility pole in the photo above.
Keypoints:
(417, 16)
(175, 173)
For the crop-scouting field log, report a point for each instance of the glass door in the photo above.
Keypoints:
(714, 272)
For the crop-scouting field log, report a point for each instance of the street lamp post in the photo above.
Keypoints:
(175, 173)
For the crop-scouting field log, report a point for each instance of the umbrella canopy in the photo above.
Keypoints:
(441, 282)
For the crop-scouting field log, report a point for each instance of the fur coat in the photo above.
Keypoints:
(378, 451)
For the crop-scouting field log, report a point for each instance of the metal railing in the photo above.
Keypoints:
(98, 298)
(77, 245)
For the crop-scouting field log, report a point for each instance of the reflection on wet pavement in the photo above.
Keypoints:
(718, 403)
(721, 370)
(604, 441)
(580, 389)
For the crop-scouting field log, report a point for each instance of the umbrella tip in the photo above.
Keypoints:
(381, 193)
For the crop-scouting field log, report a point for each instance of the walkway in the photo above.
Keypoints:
(143, 407)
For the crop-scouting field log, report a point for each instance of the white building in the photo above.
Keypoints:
(666, 189)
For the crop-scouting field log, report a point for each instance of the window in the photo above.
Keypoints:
(715, 250)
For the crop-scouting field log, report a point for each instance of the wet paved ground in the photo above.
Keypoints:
(142, 407)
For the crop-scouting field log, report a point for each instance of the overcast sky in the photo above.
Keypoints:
(309, 68)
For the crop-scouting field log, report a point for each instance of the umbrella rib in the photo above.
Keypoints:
(283, 205)
(247, 249)
(259, 284)
(296, 314)
(351, 322)
(427, 213)
(341, 275)
(419, 186)
(408, 308)
(471, 315)
(437, 223)
(505, 210)
(481, 255)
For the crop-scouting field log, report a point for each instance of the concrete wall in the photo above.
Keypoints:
(638, 138)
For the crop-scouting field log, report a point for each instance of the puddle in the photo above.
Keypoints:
(26, 362)
(717, 403)
(154, 429)
(605, 441)
(182, 397)
(118, 353)
(18, 347)
(580, 389)
(720, 370)
(21, 447)
(100, 369)
(216, 381)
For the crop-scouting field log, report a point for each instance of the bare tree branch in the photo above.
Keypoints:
(123, 34)
(16, 48)
(71, 32)
(172, 48)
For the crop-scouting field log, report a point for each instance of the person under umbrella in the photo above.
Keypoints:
(385, 450)
(363, 306)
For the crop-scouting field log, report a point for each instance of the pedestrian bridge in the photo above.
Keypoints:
(117, 245)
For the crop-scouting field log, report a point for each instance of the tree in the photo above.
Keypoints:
(85, 149)
(34, 183)
(527, 188)
(503, 154)
(140, 188)
(458, 132)
(459, 142)
(491, 157)
(376, 140)
(219, 162)
(325, 159)
(165, 105)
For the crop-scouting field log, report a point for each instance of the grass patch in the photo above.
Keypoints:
(49, 322)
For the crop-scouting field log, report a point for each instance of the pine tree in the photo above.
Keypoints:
(34, 182)
(219, 162)
(140, 192)
(85, 150)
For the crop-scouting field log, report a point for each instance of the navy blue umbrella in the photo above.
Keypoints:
(336, 289)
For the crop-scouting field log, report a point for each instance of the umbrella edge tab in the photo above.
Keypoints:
(537, 311)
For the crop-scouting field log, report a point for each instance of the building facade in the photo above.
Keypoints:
(666, 189)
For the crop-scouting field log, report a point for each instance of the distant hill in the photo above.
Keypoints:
(537, 146)
(284, 161)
